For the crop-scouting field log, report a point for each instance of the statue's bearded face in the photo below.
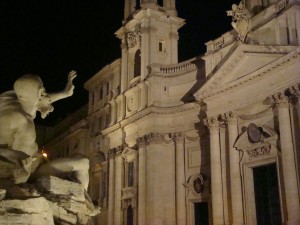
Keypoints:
(44, 105)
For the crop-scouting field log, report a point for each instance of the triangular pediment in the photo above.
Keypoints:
(241, 63)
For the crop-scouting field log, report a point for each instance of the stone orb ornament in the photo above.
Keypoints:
(254, 133)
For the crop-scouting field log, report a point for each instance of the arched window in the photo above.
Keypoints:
(129, 215)
(107, 88)
(98, 178)
(137, 63)
(101, 93)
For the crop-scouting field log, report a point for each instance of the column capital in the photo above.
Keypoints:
(231, 117)
(114, 152)
(142, 141)
(111, 153)
(295, 90)
(280, 100)
(124, 44)
(178, 137)
(212, 123)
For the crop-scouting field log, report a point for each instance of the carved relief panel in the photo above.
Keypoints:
(132, 100)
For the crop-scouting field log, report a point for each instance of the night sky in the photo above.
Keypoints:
(52, 37)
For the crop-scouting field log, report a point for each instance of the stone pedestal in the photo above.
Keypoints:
(48, 200)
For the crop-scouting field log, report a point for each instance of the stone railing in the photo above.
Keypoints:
(174, 69)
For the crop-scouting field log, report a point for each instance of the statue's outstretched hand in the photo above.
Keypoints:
(70, 87)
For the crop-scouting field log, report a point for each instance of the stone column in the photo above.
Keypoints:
(81, 145)
(143, 94)
(144, 48)
(216, 172)
(91, 102)
(118, 189)
(124, 75)
(288, 160)
(225, 172)
(113, 112)
(174, 43)
(295, 122)
(111, 188)
(180, 180)
(235, 173)
(169, 5)
(142, 181)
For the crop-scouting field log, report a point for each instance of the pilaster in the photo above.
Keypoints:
(216, 171)
(235, 173)
(111, 187)
(282, 103)
(124, 67)
(225, 171)
(142, 181)
(118, 187)
(180, 179)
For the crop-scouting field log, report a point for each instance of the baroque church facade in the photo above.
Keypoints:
(212, 140)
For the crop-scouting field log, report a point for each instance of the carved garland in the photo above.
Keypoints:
(164, 138)
(112, 153)
(133, 39)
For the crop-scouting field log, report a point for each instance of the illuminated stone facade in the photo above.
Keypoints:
(206, 141)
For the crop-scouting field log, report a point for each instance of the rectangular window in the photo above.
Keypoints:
(107, 88)
(201, 213)
(130, 174)
(160, 46)
(100, 93)
(100, 123)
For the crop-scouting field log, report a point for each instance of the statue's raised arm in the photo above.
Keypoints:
(68, 91)
(45, 103)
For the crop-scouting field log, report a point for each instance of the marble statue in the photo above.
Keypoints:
(18, 145)
(240, 20)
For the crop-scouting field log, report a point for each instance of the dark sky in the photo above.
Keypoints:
(52, 37)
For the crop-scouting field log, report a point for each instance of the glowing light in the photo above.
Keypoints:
(45, 154)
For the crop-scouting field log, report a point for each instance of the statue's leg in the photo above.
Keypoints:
(60, 167)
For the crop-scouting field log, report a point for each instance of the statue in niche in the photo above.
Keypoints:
(240, 20)
(18, 147)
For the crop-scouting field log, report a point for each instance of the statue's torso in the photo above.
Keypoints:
(17, 131)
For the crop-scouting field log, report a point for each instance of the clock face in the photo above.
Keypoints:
(254, 133)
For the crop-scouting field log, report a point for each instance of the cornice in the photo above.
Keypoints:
(151, 110)
(103, 74)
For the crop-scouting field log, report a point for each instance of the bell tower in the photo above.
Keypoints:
(149, 35)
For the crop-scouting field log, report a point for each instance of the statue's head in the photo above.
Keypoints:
(29, 88)
(31, 92)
